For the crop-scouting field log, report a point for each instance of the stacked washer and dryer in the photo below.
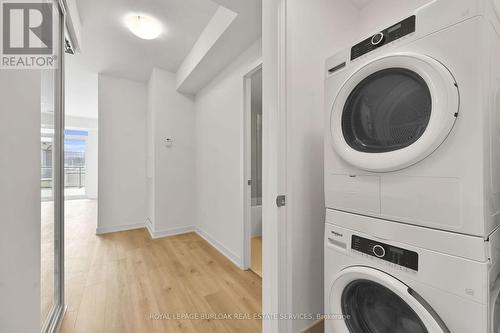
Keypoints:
(412, 175)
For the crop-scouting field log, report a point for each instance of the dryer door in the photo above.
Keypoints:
(371, 301)
(393, 112)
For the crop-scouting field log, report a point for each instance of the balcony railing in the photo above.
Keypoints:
(73, 177)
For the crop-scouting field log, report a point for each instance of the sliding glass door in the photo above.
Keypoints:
(52, 181)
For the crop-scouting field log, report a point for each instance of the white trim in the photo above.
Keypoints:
(117, 228)
(155, 234)
(313, 326)
(276, 262)
(235, 259)
(229, 254)
(149, 228)
(149, 224)
(73, 24)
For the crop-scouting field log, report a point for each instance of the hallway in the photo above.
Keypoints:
(127, 282)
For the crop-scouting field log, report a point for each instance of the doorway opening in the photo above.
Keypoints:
(81, 154)
(253, 170)
(75, 152)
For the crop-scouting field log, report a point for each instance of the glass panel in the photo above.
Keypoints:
(47, 193)
(51, 182)
(256, 123)
(372, 308)
(387, 111)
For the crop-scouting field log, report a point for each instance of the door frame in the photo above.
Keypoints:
(56, 313)
(247, 167)
(276, 240)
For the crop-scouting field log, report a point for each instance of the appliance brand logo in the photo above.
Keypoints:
(27, 35)
(337, 234)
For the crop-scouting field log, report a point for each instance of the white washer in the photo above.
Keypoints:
(413, 116)
(389, 285)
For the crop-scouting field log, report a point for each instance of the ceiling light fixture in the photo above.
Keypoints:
(143, 26)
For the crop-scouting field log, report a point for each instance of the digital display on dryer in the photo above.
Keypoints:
(394, 28)
(392, 254)
(396, 250)
(394, 32)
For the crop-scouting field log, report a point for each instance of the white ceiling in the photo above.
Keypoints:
(109, 47)
(243, 31)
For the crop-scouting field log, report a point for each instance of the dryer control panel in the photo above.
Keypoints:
(393, 254)
(396, 31)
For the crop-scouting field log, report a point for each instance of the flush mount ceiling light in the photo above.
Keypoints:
(143, 26)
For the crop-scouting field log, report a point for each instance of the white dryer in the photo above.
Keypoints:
(413, 115)
(389, 285)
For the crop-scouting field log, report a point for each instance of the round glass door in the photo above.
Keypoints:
(371, 301)
(389, 110)
(495, 306)
(393, 112)
(370, 307)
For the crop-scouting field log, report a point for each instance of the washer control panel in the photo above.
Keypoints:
(392, 254)
(394, 32)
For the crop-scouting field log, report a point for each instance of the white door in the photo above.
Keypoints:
(372, 301)
(393, 112)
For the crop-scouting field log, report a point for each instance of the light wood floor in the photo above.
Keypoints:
(115, 282)
(256, 264)
(47, 258)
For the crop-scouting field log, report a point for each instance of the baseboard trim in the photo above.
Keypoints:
(149, 228)
(155, 234)
(233, 257)
(316, 327)
(117, 228)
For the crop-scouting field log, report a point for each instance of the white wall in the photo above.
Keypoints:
(122, 154)
(316, 30)
(80, 123)
(20, 200)
(170, 169)
(150, 156)
(219, 155)
(81, 89)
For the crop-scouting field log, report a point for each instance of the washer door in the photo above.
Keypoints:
(393, 112)
(495, 307)
(371, 301)
(496, 3)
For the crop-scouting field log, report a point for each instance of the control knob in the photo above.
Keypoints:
(378, 251)
(378, 39)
